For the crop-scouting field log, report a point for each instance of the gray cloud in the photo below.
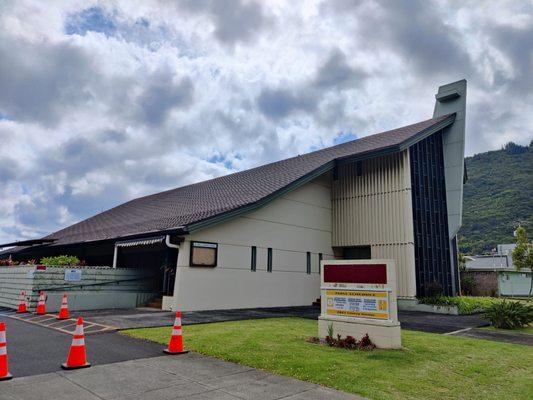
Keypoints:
(40, 80)
(517, 44)
(337, 74)
(8, 170)
(162, 95)
(334, 74)
(235, 20)
(417, 31)
(278, 103)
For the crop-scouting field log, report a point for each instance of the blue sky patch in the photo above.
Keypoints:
(344, 137)
(91, 19)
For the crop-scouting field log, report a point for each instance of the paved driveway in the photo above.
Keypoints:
(189, 376)
(33, 349)
(145, 317)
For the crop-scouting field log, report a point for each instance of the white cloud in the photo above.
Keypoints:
(101, 102)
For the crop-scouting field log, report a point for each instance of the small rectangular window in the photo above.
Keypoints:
(308, 262)
(203, 254)
(320, 258)
(269, 259)
(254, 258)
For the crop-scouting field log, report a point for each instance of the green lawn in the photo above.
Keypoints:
(430, 366)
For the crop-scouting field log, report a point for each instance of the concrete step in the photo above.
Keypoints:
(155, 303)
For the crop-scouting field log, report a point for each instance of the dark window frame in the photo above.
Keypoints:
(270, 256)
(253, 263)
(191, 251)
(308, 263)
(359, 168)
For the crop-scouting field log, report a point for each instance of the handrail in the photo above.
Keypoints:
(81, 285)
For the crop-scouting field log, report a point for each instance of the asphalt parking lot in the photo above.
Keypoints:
(34, 349)
(144, 318)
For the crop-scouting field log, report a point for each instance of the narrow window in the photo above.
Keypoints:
(269, 260)
(308, 262)
(335, 173)
(320, 258)
(254, 258)
(359, 168)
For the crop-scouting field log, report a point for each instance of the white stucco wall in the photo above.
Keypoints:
(292, 225)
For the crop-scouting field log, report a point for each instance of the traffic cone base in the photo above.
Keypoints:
(6, 377)
(167, 351)
(65, 366)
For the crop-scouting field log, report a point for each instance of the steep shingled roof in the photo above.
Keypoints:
(189, 206)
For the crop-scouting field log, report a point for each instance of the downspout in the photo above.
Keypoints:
(167, 242)
(172, 246)
(115, 256)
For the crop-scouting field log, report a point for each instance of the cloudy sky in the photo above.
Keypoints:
(101, 102)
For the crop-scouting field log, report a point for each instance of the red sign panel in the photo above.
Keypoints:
(356, 273)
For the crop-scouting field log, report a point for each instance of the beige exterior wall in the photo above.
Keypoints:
(376, 209)
(292, 225)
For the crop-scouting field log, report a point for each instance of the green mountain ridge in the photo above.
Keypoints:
(498, 196)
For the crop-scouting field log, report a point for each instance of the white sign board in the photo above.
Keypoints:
(73, 275)
(358, 297)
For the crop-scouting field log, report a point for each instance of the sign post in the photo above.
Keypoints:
(359, 297)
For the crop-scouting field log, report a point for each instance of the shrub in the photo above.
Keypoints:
(468, 285)
(8, 262)
(61, 260)
(509, 315)
(464, 304)
(349, 342)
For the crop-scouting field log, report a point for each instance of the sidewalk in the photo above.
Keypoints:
(190, 376)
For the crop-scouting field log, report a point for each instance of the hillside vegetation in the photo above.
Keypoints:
(497, 197)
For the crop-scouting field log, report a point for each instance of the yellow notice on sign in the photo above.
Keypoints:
(358, 303)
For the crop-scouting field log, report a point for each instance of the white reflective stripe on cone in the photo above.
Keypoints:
(176, 332)
(63, 306)
(3, 351)
(177, 321)
(78, 342)
(79, 330)
(2, 337)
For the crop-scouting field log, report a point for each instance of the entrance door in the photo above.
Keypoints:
(357, 253)
(168, 269)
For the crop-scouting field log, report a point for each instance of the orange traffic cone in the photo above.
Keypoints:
(4, 370)
(23, 308)
(176, 340)
(77, 358)
(63, 311)
(41, 305)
